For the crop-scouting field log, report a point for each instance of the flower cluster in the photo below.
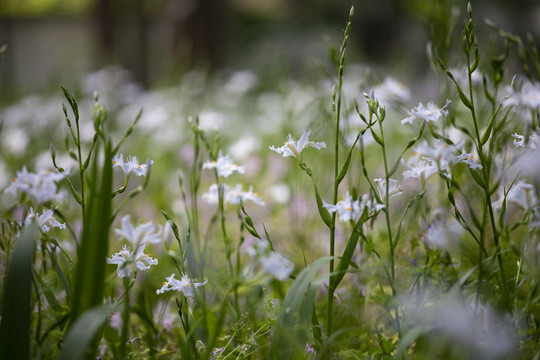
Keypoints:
(138, 237)
(349, 209)
(40, 187)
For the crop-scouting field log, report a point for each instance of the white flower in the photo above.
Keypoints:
(528, 96)
(431, 113)
(347, 209)
(295, 148)
(40, 187)
(224, 166)
(521, 194)
(140, 235)
(230, 195)
(444, 154)
(125, 259)
(44, 220)
(468, 159)
(419, 168)
(131, 166)
(234, 196)
(394, 188)
(532, 143)
(272, 262)
(184, 285)
(277, 266)
(443, 235)
(391, 91)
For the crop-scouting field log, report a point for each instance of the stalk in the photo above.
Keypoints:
(336, 108)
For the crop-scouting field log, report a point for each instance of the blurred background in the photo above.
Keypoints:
(52, 41)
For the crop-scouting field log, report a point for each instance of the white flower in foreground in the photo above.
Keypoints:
(430, 113)
(140, 235)
(347, 209)
(184, 285)
(45, 221)
(295, 148)
(40, 187)
(394, 188)
(125, 259)
(131, 166)
(224, 166)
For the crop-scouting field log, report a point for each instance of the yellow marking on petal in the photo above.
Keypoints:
(139, 166)
(115, 163)
(164, 283)
(348, 209)
(15, 179)
(471, 157)
(188, 285)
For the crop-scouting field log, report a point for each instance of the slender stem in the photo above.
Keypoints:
(125, 320)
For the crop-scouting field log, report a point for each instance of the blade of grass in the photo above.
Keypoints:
(15, 325)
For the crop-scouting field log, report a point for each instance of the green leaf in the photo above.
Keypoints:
(294, 319)
(92, 252)
(82, 334)
(487, 133)
(49, 295)
(16, 310)
(325, 215)
(345, 259)
(345, 167)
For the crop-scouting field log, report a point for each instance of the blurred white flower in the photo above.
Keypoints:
(126, 259)
(394, 189)
(443, 235)
(272, 262)
(231, 195)
(391, 91)
(533, 141)
(234, 196)
(131, 166)
(243, 147)
(184, 285)
(40, 187)
(280, 193)
(140, 235)
(224, 166)
(347, 209)
(429, 113)
(528, 96)
(521, 194)
(241, 82)
(419, 168)
(295, 148)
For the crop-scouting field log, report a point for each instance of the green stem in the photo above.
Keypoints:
(125, 320)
